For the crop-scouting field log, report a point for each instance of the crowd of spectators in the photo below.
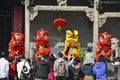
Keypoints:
(53, 67)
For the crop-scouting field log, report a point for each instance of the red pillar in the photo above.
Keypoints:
(17, 18)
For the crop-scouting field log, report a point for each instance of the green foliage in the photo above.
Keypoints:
(82, 53)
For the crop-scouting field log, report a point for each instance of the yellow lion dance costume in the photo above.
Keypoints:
(72, 46)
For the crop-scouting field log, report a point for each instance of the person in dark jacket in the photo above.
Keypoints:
(99, 69)
(75, 69)
(41, 68)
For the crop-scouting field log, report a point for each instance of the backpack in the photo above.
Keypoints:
(61, 68)
(24, 72)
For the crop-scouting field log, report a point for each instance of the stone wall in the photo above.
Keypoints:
(75, 20)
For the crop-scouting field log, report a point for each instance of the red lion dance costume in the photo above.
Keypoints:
(16, 45)
(42, 43)
(104, 45)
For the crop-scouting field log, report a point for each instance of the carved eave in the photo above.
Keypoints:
(103, 17)
(62, 2)
(102, 21)
(90, 15)
(34, 10)
(33, 13)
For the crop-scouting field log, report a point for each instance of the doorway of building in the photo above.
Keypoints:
(5, 27)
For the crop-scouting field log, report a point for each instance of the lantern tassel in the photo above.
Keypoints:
(59, 28)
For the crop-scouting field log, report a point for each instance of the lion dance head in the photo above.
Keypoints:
(42, 43)
(72, 46)
(104, 45)
(16, 44)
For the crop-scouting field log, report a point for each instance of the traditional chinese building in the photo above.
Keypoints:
(87, 16)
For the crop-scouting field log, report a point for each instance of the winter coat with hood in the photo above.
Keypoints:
(41, 69)
(99, 70)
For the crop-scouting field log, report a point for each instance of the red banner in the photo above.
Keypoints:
(17, 18)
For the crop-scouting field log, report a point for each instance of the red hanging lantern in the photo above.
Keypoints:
(59, 22)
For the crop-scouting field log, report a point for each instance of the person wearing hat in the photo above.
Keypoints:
(4, 67)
